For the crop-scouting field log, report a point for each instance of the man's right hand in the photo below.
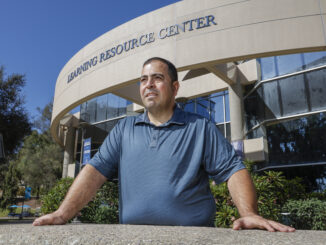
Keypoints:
(80, 193)
(50, 219)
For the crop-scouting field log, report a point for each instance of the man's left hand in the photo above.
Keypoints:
(258, 222)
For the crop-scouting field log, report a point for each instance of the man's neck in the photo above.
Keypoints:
(159, 117)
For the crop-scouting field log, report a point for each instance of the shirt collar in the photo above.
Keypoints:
(177, 118)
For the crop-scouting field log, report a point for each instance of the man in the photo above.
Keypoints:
(164, 158)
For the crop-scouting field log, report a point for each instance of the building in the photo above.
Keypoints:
(255, 67)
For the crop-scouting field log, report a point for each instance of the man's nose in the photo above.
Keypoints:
(150, 83)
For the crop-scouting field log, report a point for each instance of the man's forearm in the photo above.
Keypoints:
(81, 192)
(243, 193)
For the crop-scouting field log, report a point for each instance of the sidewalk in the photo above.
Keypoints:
(134, 234)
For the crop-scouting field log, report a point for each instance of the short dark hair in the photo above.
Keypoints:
(173, 74)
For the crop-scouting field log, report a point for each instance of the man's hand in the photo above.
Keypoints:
(258, 222)
(50, 219)
(243, 194)
(80, 193)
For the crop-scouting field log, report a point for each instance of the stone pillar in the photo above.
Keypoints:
(68, 157)
(236, 115)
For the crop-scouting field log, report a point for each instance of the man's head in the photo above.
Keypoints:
(171, 68)
(158, 84)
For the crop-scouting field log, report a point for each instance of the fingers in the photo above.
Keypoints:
(40, 221)
(49, 219)
(280, 227)
(246, 223)
(44, 220)
(252, 222)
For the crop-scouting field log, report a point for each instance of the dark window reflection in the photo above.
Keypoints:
(286, 97)
(293, 95)
(254, 108)
(271, 100)
(298, 141)
(317, 89)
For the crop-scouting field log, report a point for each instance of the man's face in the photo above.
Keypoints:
(156, 89)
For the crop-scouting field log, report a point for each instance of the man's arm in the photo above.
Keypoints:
(243, 194)
(80, 193)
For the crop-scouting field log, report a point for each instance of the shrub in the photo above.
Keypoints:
(319, 195)
(273, 190)
(308, 214)
(52, 200)
(102, 209)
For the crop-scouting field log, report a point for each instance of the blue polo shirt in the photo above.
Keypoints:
(164, 170)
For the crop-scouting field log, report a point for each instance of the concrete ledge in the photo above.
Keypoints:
(74, 234)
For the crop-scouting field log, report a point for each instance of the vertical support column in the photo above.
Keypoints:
(68, 157)
(237, 114)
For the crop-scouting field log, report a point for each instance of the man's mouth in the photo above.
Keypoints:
(150, 94)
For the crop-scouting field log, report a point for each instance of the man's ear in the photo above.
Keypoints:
(175, 87)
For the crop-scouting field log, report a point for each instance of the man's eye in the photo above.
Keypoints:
(158, 77)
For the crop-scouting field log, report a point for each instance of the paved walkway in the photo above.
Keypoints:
(74, 234)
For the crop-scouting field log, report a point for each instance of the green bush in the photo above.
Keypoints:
(103, 209)
(273, 190)
(52, 200)
(308, 214)
(319, 195)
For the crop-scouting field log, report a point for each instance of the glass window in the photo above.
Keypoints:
(317, 89)
(213, 107)
(218, 109)
(314, 59)
(293, 95)
(221, 128)
(298, 141)
(116, 106)
(203, 107)
(91, 109)
(268, 68)
(285, 64)
(101, 103)
(271, 100)
(289, 63)
(228, 132)
(103, 107)
(227, 107)
(83, 112)
(254, 108)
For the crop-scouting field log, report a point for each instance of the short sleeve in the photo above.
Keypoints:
(220, 159)
(106, 160)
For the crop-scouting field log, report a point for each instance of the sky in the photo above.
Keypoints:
(38, 37)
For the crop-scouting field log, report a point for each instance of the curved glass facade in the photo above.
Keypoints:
(103, 108)
(271, 67)
(98, 116)
(295, 94)
(215, 107)
(287, 107)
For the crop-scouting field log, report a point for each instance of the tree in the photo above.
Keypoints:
(43, 122)
(14, 126)
(14, 122)
(40, 158)
(10, 186)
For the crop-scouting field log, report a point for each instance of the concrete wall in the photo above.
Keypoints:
(145, 234)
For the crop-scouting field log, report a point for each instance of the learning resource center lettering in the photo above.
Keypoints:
(166, 32)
